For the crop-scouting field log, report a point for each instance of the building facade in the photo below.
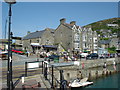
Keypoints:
(73, 37)
(33, 42)
(68, 35)
(89, 40)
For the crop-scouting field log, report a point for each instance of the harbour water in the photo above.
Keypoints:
(112, 82)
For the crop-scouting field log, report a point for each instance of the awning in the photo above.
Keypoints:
(36, 45)
(49, 46)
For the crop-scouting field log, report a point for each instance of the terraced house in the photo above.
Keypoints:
(73, 37)
(68, 35)
(32, 42)
(89, 40)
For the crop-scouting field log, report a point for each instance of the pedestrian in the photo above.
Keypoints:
(104, 66)
(114, 65)
(27, 53)
(82, 65)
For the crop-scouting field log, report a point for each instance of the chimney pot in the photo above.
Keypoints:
(62, 21)
(73, 22)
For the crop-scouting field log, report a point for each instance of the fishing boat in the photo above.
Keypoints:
(80, 83)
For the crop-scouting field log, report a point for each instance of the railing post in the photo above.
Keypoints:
(42, 67)
(26, 69)
(52, 86)
(61, 79)
(46, 71)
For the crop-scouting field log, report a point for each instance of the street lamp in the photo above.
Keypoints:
(9, 71)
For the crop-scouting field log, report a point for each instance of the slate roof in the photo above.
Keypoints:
(36, 34)
(104, 41)
(69, 25)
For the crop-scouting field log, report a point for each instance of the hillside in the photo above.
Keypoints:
(106, 28)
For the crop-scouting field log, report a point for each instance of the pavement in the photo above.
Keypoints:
(37, 81)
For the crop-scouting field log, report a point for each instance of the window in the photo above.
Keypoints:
(76, 45)
(76, 37)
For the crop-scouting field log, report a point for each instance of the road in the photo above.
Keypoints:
(19, 60)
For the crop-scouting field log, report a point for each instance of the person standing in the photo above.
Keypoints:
(114, 65)
(83, 65)
(105, 66)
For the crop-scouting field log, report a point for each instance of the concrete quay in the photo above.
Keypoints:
(93, 69)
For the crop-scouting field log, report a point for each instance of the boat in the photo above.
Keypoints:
(80, 83)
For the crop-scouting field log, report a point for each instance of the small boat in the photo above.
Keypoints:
(80, 83)
(75, 83)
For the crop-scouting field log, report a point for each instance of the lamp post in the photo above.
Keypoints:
(9, 70)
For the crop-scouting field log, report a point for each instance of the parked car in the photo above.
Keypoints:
(92, 56)
(101, 56)
(52, 57)
(112, 55)
(83, 55)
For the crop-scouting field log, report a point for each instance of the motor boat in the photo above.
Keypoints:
(75, 83)
(80, 83)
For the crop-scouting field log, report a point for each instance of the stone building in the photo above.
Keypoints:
(68, 35)
(113, 42)
(72, 37)
(33, 42)
(89, 40)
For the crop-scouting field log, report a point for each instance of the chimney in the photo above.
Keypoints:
(28, 32)
(73, 22)
(62, 21)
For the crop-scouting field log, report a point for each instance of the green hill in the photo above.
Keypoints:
(103, 25)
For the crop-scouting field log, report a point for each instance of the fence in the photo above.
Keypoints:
(32, 65)
(49, 75)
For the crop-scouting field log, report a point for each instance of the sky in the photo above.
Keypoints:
(33, 16)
